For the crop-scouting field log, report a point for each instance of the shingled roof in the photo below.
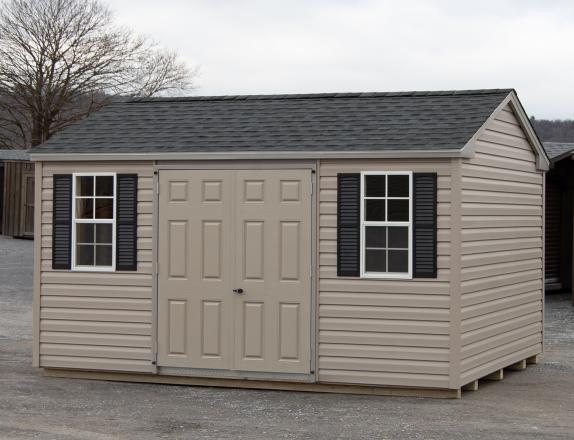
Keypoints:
(444, 120)
(14, 155)
(558, 150)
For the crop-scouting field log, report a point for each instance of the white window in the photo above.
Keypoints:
(93, 221)
(386, 224)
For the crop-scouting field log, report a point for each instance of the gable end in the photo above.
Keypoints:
(511, 104)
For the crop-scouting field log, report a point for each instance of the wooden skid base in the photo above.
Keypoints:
(518, 366)
(533, 360)
(255, 384)
(472, 386)
(497, 375)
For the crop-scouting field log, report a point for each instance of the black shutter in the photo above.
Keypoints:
(424, 233)
(348, 224)
(62, 221)
(126, 221)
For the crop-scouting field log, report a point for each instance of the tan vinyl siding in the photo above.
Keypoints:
(501, 250)
(382, 332)
(97, 320)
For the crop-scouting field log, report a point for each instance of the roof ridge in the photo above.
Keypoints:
(318, 95)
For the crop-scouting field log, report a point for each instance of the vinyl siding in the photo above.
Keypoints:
(404, 333)
(501, 250)
(382, 332)
(91, 320)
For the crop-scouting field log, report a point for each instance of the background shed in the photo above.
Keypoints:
(558, 213)
(16, 194)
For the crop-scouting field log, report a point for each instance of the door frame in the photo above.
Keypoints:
(312, 166)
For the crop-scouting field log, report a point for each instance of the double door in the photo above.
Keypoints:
(234, 281)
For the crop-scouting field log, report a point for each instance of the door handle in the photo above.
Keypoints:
(238, 291)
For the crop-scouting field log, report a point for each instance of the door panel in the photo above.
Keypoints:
(212, 248)
(289, 251)
(211, 328)
(177, 263)
(273, 251)
(195, 303)
(253, 250)
(252, 323)
(238, 229)
(289, 322)
(177, 327)
(27, 209)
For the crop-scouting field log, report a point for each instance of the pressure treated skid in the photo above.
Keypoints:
(482, 312)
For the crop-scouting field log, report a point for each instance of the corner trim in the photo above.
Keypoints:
(37, 264)
(455, 286)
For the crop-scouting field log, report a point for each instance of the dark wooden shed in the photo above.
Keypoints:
(17, 194)
(558, 217)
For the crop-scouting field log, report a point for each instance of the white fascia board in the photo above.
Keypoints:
(249, 155)
(542, 161)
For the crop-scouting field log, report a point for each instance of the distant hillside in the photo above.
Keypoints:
(554, 131)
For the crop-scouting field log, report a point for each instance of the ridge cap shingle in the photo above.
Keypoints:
(413, 93)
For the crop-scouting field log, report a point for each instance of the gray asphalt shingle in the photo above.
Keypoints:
(14, 155)
(317, 122)
(555, 150)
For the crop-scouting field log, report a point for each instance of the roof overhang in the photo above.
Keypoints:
(246, 155)
(568, 154)
(542, 161)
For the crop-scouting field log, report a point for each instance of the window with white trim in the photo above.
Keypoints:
(93, 221)
(386, 224)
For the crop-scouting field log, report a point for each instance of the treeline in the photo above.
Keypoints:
(556, 130)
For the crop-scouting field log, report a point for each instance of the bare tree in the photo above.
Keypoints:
(63, 59)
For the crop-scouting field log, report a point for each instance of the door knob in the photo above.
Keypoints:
(237, 290)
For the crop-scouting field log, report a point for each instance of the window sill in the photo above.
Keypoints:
(386, 277)
(93, 269)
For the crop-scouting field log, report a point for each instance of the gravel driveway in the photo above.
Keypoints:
(534, 404)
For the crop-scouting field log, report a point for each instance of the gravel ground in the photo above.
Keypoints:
(537, 403)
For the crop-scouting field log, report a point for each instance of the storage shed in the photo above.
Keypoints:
(16, 194)
(360, 242)
(558, 212)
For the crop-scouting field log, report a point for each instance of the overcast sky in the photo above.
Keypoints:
(298, 46)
